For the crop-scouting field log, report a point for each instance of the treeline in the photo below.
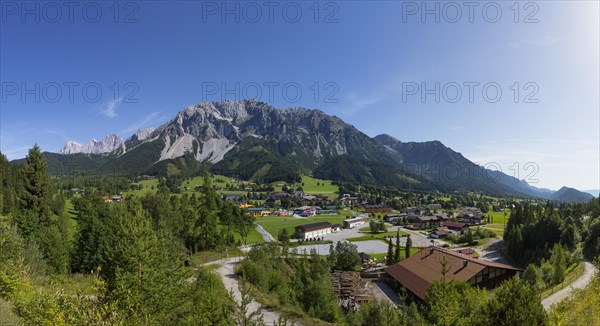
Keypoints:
(136, 250)
(549, 240)
(533, 230)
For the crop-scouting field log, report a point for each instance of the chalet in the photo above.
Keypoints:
(471, 216)
(319, 200)
(420, 270)
(424, 221)
(456, 227)
(377, 209)
(440, 233)
(313, 230)
(353, 222)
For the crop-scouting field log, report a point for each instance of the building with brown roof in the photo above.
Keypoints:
(313, 230)
(420, 270)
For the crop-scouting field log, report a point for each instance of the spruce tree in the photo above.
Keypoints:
(389, 259)
(407, 246)
(397, 249)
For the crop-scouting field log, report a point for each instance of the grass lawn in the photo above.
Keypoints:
(325, 187)
(275, 224)
(253, 237)
(146, 188)
(380, 257)
(72, 219)
(375, 236)
(497, 228)
(497, 217)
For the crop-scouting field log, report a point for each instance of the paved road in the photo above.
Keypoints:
(230, 280)
(266, 235)
(579, 283)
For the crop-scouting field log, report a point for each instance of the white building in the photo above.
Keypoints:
(353, 222)
(313, 230)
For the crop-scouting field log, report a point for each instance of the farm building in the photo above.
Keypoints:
(353, 222)
(313, 230)
(418, 271)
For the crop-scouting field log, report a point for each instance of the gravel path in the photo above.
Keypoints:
(230, 280)
(579, 283)
(266, 235)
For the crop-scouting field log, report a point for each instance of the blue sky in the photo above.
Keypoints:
(372, 63)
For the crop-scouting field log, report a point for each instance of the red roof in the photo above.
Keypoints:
(418, 271)
(456, 225)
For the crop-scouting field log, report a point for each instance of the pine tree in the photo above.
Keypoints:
(389, 259)
(397, 249)
(36, 219)
(407, 246)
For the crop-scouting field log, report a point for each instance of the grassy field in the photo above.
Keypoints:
(497, 217)
(497, 228)
(72, 221)
(380, 257)
(253, 237)
(275, 224)
(147, 187)
(375, 236)
(325, 187)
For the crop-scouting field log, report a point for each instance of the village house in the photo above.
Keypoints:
(417, 272)
(378, 209)
(471, 216)
(319, 200)
(313, 230)
(440, 233)
(456, 227)
(353, 222)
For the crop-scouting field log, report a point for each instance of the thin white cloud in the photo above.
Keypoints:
(110, 110)
(152, 117)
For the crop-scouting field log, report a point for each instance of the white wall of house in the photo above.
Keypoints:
(315, 233)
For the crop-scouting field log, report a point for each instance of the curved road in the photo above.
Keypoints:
(226, 271)
(266, 235)
(581, 282)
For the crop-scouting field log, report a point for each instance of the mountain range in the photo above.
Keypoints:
(253, 140)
